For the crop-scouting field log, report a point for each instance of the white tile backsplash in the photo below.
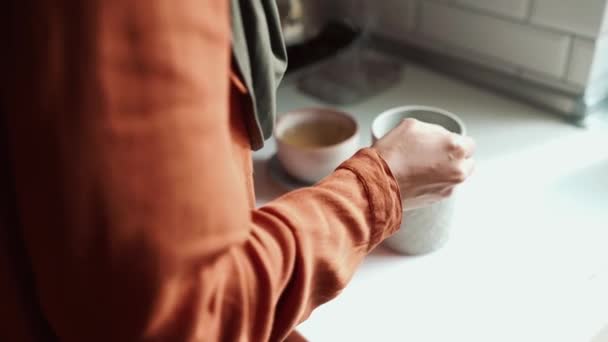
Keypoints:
(582, 17)
(560, 43)
(510, 8)
(523, 46)
(461, 53)
(580, 61)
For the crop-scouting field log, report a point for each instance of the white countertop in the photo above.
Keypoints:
(528, 256)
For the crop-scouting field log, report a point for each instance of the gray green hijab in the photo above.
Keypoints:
(260, 56)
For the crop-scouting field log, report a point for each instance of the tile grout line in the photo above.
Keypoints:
(569, 57)
(529, 10)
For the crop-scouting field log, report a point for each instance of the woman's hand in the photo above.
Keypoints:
(427, 160)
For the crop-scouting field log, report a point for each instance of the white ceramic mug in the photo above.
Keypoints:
(311, 164)
(425, 229)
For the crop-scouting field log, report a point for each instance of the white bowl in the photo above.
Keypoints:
(311, 164)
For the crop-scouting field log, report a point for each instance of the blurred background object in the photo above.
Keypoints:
(301, 20)
(340, 66)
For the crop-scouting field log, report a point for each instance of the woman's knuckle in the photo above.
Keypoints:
(459, 176)
(455, 146)
(408, 122)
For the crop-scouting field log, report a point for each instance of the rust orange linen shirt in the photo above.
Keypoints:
(126, 211)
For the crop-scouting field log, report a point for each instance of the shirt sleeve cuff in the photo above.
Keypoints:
(382, 192)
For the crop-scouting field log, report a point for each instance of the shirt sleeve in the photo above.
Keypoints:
(135, 225)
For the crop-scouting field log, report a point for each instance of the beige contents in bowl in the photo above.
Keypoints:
(319, 133)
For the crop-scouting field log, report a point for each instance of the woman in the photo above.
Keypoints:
(128, 208)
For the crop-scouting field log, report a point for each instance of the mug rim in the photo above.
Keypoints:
(411, 108)
(316, 110)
